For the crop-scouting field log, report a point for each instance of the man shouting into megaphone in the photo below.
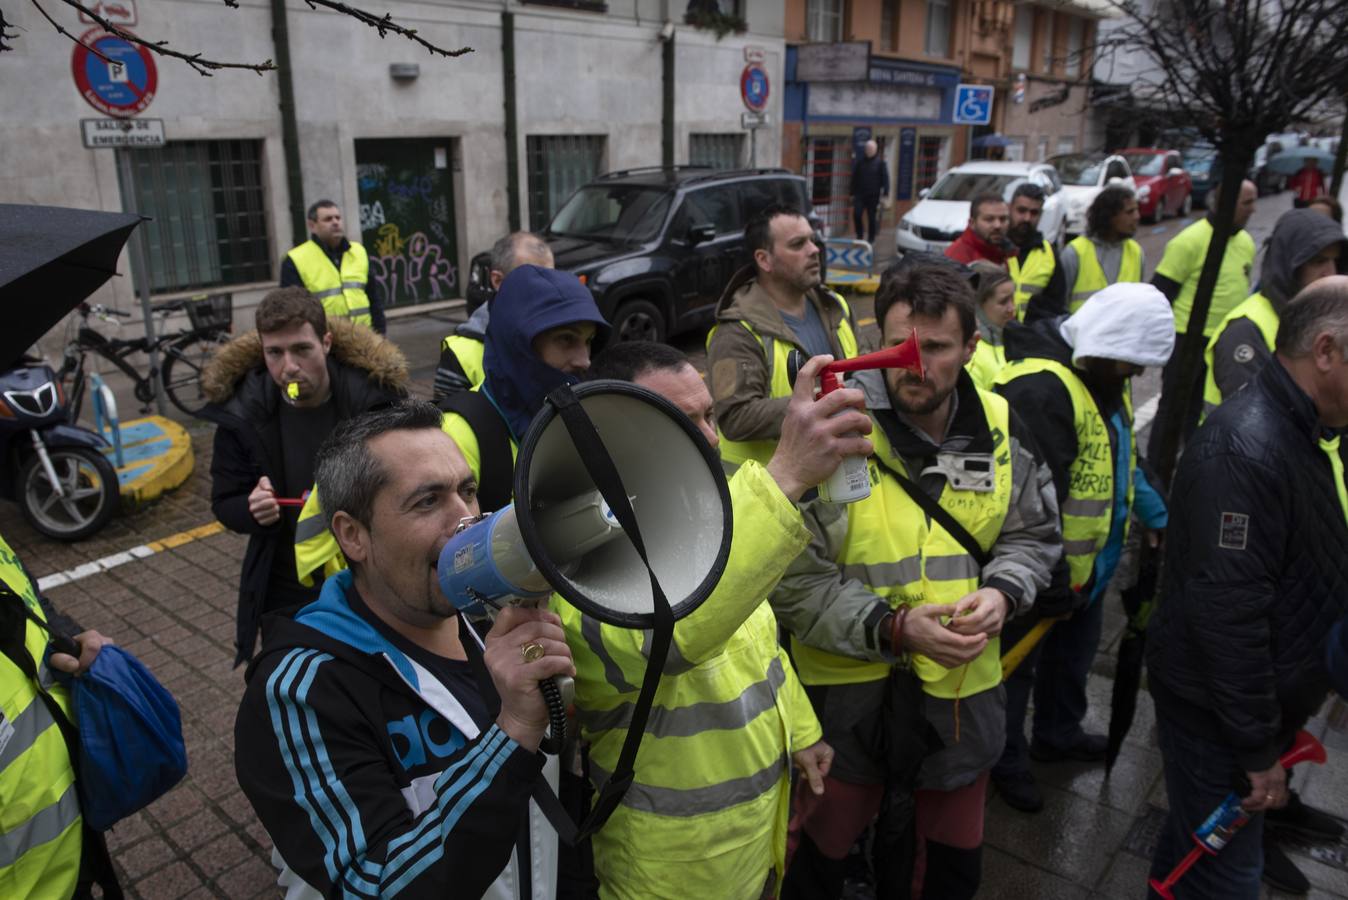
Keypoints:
(364, 742)
(706, 814)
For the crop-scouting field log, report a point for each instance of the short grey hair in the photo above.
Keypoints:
(1320, 308)
(505, 253)
(347, 473)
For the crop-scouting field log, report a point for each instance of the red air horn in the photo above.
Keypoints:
(1227, 819)
(850, 482)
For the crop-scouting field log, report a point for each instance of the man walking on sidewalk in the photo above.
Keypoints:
(870, 183)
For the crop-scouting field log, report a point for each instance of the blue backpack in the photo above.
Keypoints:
(127, 743)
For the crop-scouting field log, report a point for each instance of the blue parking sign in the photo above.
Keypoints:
(973, 104)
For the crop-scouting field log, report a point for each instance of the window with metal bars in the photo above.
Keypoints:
(558, 165)
(207, 214)
(889, 25)
(938, 28)
(824, 20)
(829, 169)
(929, 162)
(720, 151)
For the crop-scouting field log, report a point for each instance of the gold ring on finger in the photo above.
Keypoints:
(532, 651)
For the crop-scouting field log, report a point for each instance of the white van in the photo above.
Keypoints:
(943, 212)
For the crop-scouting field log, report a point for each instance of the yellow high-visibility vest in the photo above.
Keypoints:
(736, 453)
(341, 292)
(1090, 274)
(908, 559)
(1088, 509)
(706, 815)
(469, 352)
(41, 828)
(1032, 277)
(986, 362)
(1259, 310)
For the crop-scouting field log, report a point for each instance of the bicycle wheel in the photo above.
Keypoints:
(183, 362)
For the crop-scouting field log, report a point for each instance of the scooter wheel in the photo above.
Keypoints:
(91, 498)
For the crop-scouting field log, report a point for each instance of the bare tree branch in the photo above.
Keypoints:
(1236, 71)
(198, 64)
(5, 34)
(385, 24)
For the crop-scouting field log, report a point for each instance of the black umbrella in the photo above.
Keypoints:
(51, 259)
(1138, 602)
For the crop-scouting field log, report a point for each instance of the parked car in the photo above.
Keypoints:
(1163, 187)
(1266, 180)
(1205, 171)
(1084, 176)
(656, 246)
(943, 212)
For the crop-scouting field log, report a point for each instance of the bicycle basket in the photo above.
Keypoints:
(211, 311)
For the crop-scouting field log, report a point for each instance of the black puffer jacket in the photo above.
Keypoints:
(365, 371)
(1256, 574)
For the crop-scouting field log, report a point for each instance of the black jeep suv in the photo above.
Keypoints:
(657, 245)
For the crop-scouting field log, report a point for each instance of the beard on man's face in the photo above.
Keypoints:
(1020, 234)
(926, 399)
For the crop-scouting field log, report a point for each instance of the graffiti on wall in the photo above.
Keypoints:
(406, 227)
(412, 267)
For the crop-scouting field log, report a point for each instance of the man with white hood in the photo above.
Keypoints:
(1068, 378)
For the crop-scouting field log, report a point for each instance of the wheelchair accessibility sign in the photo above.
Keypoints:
(973, 104)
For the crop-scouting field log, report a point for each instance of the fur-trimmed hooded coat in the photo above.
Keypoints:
(365, 370)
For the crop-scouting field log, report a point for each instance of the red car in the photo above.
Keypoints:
(1163, 187)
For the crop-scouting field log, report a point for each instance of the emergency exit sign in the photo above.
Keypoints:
(100, 133)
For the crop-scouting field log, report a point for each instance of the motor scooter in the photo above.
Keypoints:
(55, 471)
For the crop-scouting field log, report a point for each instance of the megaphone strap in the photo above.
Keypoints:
(601, 469)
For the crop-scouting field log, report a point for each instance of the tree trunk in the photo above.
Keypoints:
(1234, 165)
(1341, 155)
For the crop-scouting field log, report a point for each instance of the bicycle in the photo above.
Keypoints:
(183, 353)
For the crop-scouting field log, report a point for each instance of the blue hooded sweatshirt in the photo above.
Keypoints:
(531, 301)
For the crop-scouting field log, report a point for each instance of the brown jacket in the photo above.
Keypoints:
(738, 371)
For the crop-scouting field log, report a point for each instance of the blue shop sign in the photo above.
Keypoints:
(913, 76)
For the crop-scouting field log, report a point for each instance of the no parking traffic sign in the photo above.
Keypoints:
(121, 85)
(754, 87)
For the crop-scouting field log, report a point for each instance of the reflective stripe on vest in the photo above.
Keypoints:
(342, 293)
(40, 828)
(1091, 276)
(736, 453)
(711, 780)
(1259, 310)
(1033, 277)
(900, 555)
(1088, 509)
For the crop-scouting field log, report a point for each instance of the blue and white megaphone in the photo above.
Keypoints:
(562, 534)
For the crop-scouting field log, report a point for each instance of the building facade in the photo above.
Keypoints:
(888, 69)
(431, 159)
